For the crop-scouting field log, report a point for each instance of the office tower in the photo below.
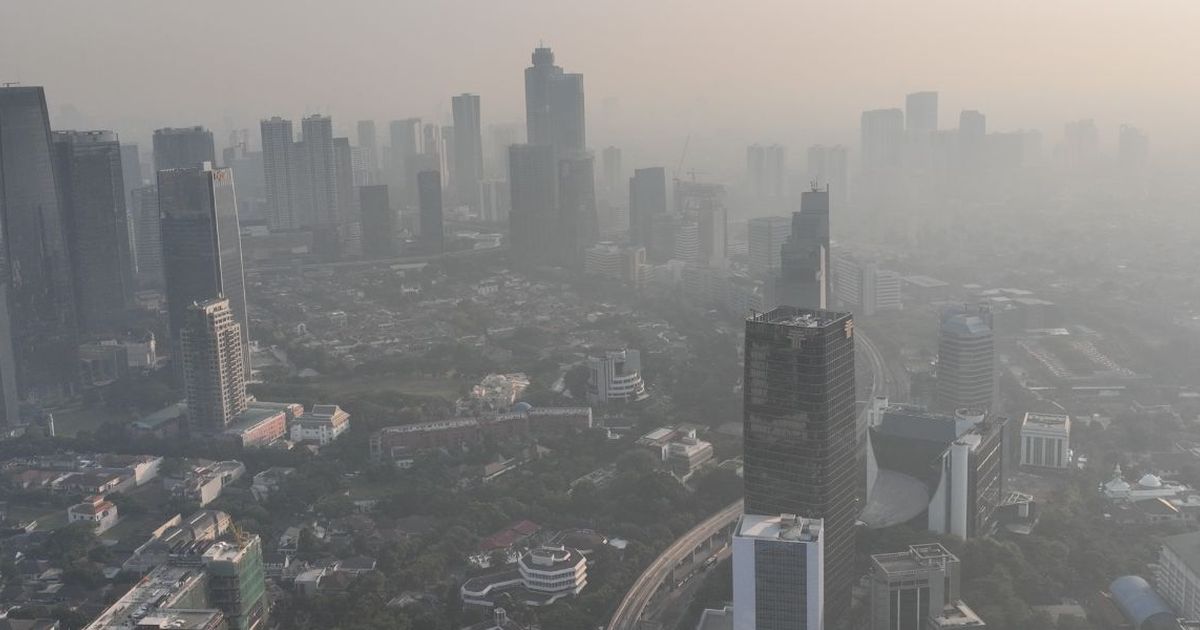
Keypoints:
(921, 113)
(147, 238)
(578, 221)
(778, 573)
(131, 169)
(214, 374)
(429, 189)
(827, 169)
(38, 352)
(765, 171)
(766, 237)
(972, 140)
(801, 455)
(554, 105)
(185, 147)
(610, 159)
(1133, 148)
(1046, 440)
(468, 149)
(533, 217)
(882, 139)
(201, 246)
(918, 589)
(647, 198)
(966, 374)
(92, 191)
(321, 189)
(804, 259)
(280, 176)
(368, 143)
(237, 583)
(494, 200)
(703, 205)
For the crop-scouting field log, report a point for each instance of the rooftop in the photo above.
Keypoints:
(181, 619)
(785, 527)
(798, 317)
(958, 615)
(917, 558)
(1047, 420)
(158, 589)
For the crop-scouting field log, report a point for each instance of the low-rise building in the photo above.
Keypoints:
(678, 448)
(918, 588)
(616, 376)
(97, 510)
(1046, 440)
(619, 262)
(541, 577)
(323, 425)
(204, 483)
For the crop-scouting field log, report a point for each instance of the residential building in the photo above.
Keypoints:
(647, 200)
(280, 176)
(468, 149)
(804, 276)
(95, 220)
(323, 425)
(320, 177)
(766, 237)
(801, 453)
(348, 232)
(37, 312)
(554, 105)
(202, 247)
(183, 147)
(966, 372)
(237, 583)
(429, 191)
(378, 222)
(214, 376)
(1046, 440)
(779, 573)
(97, 510)
(616, 376)
(910, 589)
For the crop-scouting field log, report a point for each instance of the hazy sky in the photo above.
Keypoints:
(727, 72)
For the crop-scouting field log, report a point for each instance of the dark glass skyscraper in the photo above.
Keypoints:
(38, 355)
(804, 259)
(533, 219)
(92, 186)
(799, 433)
(647, 198)
(468, 149)
(429, 190)
(202, 246)
(554, 107)
(186, 147)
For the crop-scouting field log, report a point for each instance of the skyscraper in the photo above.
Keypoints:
(882, 139)
(921, 113)
(610, 159)
(778, 573)
(320, 176)
(801, 455)
(92, 190)
(827, 168)
(703, 205)
(214, 375)
(647, 198)
(368, 143)
(966, 372)
(533, 215)
(202, 246)
(131, 169)
(280, 177)
(147, 237)
(468, 149)
(766, 237)
(429, 190)
(804, 259)
(554, 105)
(378, 222)
(38, 351)
(578, 223)
(184, 147)
(765, 171)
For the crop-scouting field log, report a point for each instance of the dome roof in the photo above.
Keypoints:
(522, 407)
(1117, 485)
(1150, 481)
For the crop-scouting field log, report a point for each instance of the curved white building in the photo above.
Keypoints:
(616, 376)
(543, 575)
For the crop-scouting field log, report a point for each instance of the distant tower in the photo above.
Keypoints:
(214, 376)
(766, 238)
(804, 259)
(972, 136)
(827, 167)
(921, 113)
(468, 149)
(378, 222)
(534, 225)
(429, 189)
(201, 245)
(92, 184)
(882, 139)
(186, 147)
(320, 176)
(279, 168)
(765, 167)
(554, 105)
(647, 199)
(578, 222)
(966, 371)
(368, 143)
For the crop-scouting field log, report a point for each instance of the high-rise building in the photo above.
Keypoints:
(778, 573)
(533, 218)
(972, 140)
(966, 371)
(494, 200)
(92, 190)
(237, 582)
(554, 106)
(647, 198)
(765, 171)
(863, 286)
(378, 222)
(38, 350)
(184, 147)
(147, 237)
(429, 190)
(368, 143)
(406, 142)
(921, 113)
(804, 259)
(320, 176)
(882, 139)
(214, 375)
(766, 237)
(201, 246)
(578, 221)
(1133, 149)
(610, 159)
(248, 172)
(500, 137)
(468, 149)
(280, 176)
(801, 453)
(131, 170)
(827, 169)
(914, 588)
(703, 205)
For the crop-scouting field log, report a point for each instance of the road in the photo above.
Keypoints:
(635, 601)
(884, 383)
